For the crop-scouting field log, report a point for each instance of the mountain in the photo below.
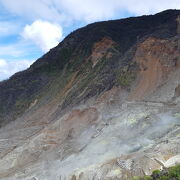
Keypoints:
(103, 104)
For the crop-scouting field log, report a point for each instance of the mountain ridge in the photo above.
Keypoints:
(41, 72)
(103, 104)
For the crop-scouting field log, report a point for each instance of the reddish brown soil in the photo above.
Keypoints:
(156, 59)
(100, 50)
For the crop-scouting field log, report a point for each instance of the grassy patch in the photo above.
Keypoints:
(172, 173)
(126, 78)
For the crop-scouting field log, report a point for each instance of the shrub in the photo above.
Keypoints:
(156, 174)
(147, 178)
(174, 172)
(163, 178)
(136, 178)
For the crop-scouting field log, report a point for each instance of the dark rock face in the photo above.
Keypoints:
(69, 66)
(17, 93)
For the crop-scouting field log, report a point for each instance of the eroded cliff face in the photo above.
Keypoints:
(156, 58)
(101, 50)
(110, 110)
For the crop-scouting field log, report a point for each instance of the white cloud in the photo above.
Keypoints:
(11, 50)
(9, 28)
(18, 50)
(8, 68)
(35, 9)
(44, 34)
(85, 10)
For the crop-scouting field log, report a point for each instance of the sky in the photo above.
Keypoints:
(30, 28)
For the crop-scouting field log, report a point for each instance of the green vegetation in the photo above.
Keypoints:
(21, 105)
(53, 66)
(50, 70)
(142, 178)
(156, 173)
(66, 53)
(126, 78)
(127, 74)
(147, 178)
(136, 178)
(172, 173)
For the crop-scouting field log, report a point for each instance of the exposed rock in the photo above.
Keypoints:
(102, 49)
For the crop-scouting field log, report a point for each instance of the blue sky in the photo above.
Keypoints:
(29, 28)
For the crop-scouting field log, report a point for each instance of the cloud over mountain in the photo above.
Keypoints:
(44, 34)
(85, 10)
(8, 68)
